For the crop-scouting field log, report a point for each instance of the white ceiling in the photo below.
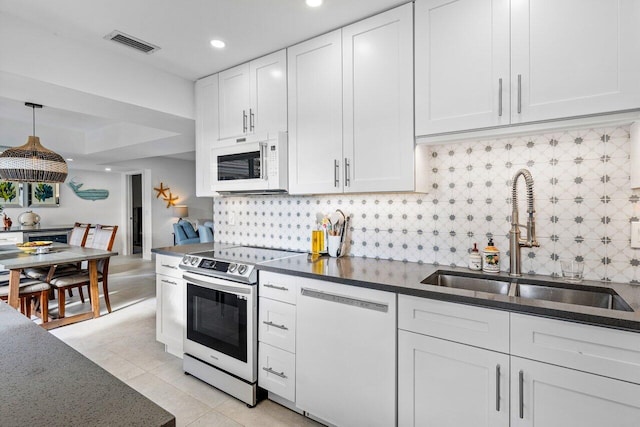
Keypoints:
(182, 29)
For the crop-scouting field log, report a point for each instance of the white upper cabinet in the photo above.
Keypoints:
(462, 64)
(206, 132)
(253, 97)
(351, 108)
(315, 115)
(485, 63)
(234, 101)
(378, 143)
(571, 57)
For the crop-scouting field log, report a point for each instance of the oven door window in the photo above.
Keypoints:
(234, 167)
(217, 320)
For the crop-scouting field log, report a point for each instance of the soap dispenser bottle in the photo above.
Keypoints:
(491, 258)
(475, 259)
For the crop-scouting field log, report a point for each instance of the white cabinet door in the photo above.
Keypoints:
(206, 132)
(268, 110)
(571, 58)
(315, 115)
(378, 102)
(446, 384)
(462, 65)
(550, 396)
(234, 101)
(170, 315)
(346, 354)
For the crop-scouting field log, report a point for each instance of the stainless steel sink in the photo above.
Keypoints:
(473, 283)
(592, 296)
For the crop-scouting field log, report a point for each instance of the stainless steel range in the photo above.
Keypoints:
(221, 340)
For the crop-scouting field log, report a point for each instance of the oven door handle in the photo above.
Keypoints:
(216, 286)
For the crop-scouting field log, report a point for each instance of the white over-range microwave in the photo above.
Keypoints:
(253, 164)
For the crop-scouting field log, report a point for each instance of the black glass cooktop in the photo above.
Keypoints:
(246, 254)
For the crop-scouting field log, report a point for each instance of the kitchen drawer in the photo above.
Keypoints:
(10, 238)
(168, 265)
(609, 352)
(277, 324)
(277, 371)
(279, 287)
(477, 326)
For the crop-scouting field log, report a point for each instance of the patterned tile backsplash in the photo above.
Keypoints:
(583, 205)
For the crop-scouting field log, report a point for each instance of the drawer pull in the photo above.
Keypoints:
(280, 288)
(283, 327)
(169, 282)
(271, 371)
(169, 266)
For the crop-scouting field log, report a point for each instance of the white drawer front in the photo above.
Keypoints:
(168, 265)
(609, 352)
(10, 238)
(477, 326)
(277, 371)
(279, 287)
(277, 324)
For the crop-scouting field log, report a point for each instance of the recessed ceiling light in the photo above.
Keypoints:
(218, 44)
(107, 169)
(69, 160)
(314, 3)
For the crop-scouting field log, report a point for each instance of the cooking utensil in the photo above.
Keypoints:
(343, 233)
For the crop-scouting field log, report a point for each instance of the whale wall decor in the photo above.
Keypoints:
(92, 194)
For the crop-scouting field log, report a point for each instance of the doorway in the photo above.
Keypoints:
(135, 215)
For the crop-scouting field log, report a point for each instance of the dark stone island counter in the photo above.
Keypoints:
(46, 382)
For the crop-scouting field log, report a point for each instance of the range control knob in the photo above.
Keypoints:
(242, 269)
(232, 267)
(194, 260)
(186, 259)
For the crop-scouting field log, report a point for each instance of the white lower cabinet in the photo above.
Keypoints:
(277, 371)
(446, 384)
(552, 396)
(170, 313)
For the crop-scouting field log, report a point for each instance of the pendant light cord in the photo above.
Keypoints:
(33, 109)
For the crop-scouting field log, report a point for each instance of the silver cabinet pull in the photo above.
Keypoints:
(280, 288)
(169, 266)
(498, 388)
(336, 173)
(521, 391)
(244, 121)
(499, 97)
(271, 371)
(169, 282)
(347, 181)
(251, 118)
(341, 299)
(519, 93)
(275, 325)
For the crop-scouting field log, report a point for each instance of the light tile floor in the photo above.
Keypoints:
(124, 344)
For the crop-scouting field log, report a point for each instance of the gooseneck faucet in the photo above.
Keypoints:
(515, 242)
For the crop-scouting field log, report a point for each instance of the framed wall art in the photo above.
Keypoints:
(44, 195)
(11, 194)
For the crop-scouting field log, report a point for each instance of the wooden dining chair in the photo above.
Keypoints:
(103, 238)
(30, 290)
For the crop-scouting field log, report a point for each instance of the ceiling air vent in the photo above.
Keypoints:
(132, 42)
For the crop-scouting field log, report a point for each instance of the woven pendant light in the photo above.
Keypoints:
(32, 162)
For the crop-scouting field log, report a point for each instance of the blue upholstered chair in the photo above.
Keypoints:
(184, 233)
(206, 232)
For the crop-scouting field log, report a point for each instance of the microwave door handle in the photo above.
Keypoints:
(263, 160)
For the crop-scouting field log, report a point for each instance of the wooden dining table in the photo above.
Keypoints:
(15, 260)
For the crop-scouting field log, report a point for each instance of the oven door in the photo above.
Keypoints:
(221, 327)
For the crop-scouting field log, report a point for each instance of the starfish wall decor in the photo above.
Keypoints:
(162, 191)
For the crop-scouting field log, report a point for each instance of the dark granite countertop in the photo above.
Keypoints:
(46, 382)
(405, 277)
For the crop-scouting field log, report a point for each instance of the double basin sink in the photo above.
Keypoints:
(526, 288)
